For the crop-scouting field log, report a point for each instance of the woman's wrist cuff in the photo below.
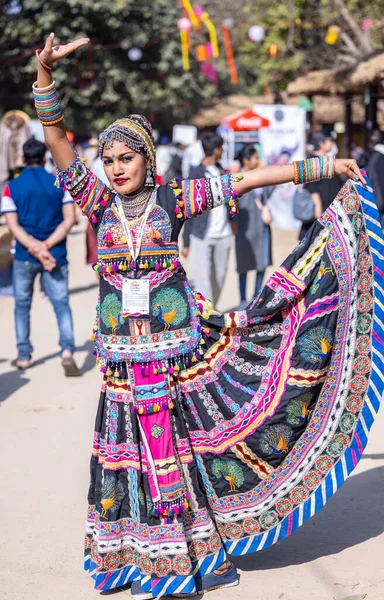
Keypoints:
(44, 90)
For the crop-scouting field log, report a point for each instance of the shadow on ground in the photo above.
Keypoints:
(89, 362)
(354, 515)
(83, 288)
(10, 382)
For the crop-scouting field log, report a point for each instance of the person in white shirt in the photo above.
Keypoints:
(208, 237)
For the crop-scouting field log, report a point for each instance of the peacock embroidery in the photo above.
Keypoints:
(110, 312)
(169, 307)
(111, 495)
(321, 273)
(315, 344)
(229, 471)
(297, 410)
(275, 439)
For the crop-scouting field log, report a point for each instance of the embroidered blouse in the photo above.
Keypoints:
(171, 335)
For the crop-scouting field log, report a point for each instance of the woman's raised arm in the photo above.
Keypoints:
(275, 175)
(47, 103)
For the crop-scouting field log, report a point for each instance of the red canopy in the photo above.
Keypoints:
(246, 120)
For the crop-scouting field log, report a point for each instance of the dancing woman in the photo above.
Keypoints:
(215, 434)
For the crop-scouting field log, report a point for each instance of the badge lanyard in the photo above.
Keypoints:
(134, 252)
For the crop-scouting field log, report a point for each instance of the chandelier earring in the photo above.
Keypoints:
(149, 181)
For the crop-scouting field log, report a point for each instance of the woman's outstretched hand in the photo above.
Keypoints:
(52, 54)
(349, 167)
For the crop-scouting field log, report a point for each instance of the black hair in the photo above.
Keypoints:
(246, 153)
(317, 139)
(34, 152)
(377, 137)
(210, 142)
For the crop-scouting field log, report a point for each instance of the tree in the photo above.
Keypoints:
(298, 28)
(101, 83)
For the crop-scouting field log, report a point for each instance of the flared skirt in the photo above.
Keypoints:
(263, 430)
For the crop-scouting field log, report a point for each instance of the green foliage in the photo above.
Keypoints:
(100, 83)
(298, 27)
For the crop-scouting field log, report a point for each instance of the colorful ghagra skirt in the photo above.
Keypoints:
(257, 435)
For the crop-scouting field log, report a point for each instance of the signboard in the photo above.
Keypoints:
(247, 120)
(184, 134)
(281, 143)
(284, 140)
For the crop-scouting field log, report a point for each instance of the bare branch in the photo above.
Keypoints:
(291, 31)
(349, 45)
(362, 39)
(346, 60)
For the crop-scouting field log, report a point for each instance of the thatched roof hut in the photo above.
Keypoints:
(346, 83)
(326, 81)
(224, 107)
(331, 109)
(368, 70)
(339, 81)
(326, 109)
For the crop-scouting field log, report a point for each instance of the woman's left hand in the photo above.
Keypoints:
(349, 167)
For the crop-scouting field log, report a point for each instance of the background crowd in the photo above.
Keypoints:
(39, 217)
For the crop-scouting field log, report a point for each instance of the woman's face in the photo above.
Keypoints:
(126, 169)
(252, 162)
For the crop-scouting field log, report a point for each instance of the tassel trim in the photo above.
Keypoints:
(143, 264)
(169, 509)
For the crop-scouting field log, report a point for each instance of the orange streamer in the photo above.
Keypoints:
(229, 53)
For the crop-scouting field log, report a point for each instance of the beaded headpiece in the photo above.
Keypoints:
(136, 132)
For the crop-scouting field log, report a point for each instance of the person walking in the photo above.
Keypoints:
(322, 192)
(215, 434)
(252, 230)
(375, 170)
(208, 238)
(39, 216)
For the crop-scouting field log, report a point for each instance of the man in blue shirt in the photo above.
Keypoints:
(39, 216)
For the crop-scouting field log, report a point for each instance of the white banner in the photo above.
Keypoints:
(281, 143)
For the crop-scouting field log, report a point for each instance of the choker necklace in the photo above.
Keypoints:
(134, 206)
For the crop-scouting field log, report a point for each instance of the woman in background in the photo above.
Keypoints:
(252, 230)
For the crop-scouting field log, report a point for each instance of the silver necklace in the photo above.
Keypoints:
(134, 206)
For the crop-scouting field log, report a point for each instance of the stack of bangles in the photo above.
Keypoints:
(313, 169)
(47, 104)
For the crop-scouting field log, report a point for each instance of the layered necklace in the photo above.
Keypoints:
(134, 206)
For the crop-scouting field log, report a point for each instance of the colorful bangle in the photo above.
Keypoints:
(313, 169)
(47, 104)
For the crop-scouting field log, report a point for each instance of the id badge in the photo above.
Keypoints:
(136, 296)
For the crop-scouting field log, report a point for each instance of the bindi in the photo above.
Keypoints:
(113, 156)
